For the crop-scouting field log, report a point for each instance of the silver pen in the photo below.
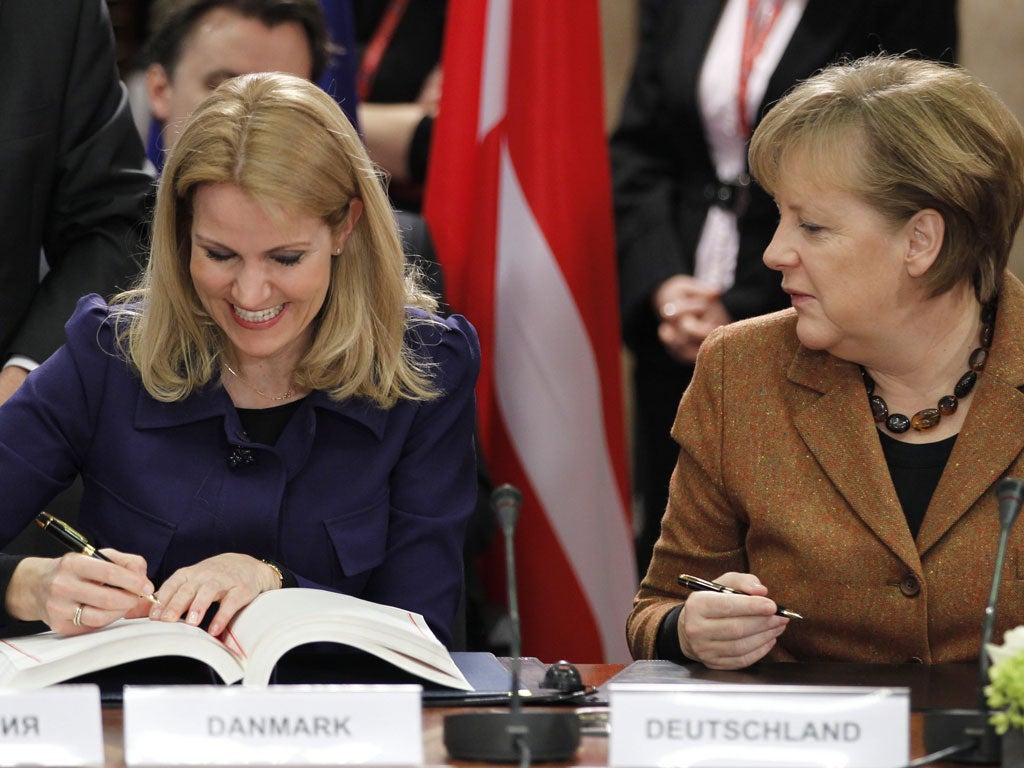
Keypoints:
(703, 585)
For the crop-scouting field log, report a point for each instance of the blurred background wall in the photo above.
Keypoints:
(992, 46)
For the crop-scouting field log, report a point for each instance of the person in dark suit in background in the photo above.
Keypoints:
(691, 228)
(72, 185)
(194, 45)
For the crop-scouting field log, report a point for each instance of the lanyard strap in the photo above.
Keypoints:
(378, 45)
(761, 16)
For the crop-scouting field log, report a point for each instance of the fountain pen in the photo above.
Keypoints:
(703, 585)
(76, 542)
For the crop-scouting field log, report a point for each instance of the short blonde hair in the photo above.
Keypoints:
(289, 146)
(917, 135)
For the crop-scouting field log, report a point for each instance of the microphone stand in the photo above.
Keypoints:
(516, 735)
(969, 729)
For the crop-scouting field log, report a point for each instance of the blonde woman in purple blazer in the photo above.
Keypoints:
(274, 405)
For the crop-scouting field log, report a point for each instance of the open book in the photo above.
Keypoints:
(260, 634)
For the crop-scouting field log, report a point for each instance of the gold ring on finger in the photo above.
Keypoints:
(77, 620)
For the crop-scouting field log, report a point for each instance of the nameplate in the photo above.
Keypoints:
(61, 725)
(277, 725)
(758, 725)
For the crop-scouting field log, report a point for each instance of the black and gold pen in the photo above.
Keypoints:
(76, 542)
(703, 585)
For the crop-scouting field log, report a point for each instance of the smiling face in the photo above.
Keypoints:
(844, 265)
(261, 274)
(223, 44)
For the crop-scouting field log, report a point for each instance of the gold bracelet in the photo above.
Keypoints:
(277, 570)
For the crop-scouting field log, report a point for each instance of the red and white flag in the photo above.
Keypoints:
(518, 199)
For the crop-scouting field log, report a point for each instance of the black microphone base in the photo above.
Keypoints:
(946, 728)
(492, 736)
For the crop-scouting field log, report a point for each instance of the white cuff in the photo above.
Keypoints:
(22, 362)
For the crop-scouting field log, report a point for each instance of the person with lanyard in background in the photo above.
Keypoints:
(690, 227)
(399, 86)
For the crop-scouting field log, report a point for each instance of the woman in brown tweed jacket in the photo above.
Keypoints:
(900, 186)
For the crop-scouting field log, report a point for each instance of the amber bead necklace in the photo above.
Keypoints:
(927, 418)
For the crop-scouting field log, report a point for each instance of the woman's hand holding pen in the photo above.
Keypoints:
(76, 593)
(233, 580)
(730, 631)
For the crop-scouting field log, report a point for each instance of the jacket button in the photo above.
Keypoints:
(910, 586)
(915, 660)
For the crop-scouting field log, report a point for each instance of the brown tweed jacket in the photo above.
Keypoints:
(781, 474)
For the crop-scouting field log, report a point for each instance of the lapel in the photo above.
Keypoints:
(694, 22)
(295, 443)
(992, 437)
(844, 442)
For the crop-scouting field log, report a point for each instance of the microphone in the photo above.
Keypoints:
(513, 736)
(965, 735)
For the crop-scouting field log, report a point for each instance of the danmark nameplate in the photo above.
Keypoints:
(276, 725)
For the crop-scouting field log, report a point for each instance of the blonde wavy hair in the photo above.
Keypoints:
(289, 146)
(912, 134)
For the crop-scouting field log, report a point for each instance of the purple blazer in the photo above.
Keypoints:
(352, 498)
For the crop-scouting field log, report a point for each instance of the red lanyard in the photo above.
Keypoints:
(761, 16)
(378, 44)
